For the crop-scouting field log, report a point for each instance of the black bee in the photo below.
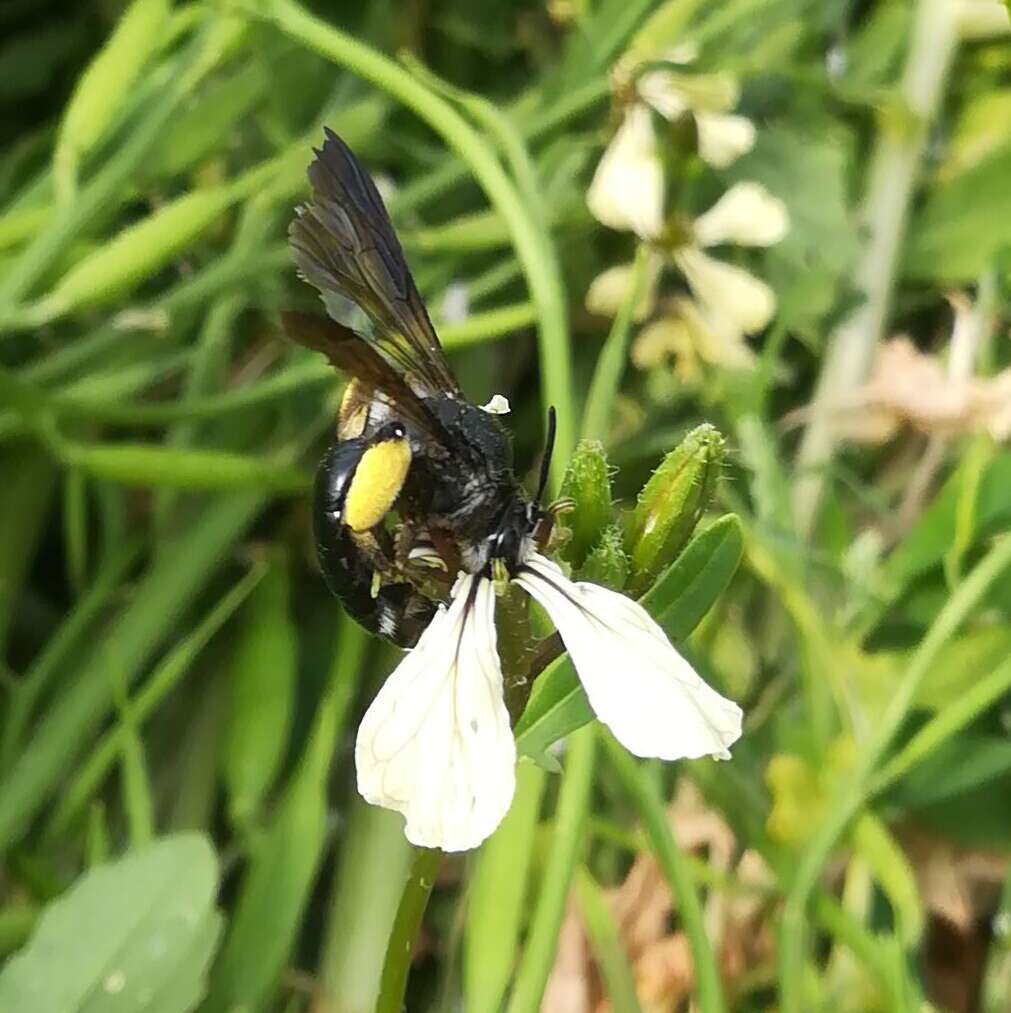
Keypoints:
(419, 483)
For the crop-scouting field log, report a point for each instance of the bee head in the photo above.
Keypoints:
(524, 524)
(516, 531)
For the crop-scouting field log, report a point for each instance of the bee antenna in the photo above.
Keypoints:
(549, 447)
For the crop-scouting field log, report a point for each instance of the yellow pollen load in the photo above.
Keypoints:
(377, 482)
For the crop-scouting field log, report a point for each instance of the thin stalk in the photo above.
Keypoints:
(856, 790)
(946, 723)
(405, 929)
(610, 366)
(527, 233)
(606, 942)
(568, 841)
(676, 867)
(892, 179)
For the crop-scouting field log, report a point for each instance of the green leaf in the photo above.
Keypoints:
(964, 224)
(955, 768)
(498, 891)
(283, 861)
(809, 172)
(678, 601)
(932, 537)
(136, 934)
(263, 672)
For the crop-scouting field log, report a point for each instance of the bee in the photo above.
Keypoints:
(418, 484)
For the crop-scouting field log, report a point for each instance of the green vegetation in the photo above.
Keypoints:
(755, 254)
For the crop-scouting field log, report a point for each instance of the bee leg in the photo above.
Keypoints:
(350, 559)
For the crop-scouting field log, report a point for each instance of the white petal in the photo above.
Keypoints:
(727, 293)
(436, 744)
(724, 138)
(628, 189)
(746, 215)
(659, 88)
(714, 336)
(637, 684)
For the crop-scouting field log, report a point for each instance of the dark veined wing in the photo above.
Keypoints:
(343, 241)
(350, 353)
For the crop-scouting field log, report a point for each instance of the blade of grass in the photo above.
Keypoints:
(497, 894)
(284, 862)
(567, 842)
(709, 991)
(939, 729)
(165, 678)
(613, 356)
(606, 943)
(59, 646)
(160, 597)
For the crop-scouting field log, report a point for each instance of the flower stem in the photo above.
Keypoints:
(611, 362)
(892, 175)
(405, 929)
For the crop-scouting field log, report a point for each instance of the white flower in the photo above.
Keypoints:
(723, 136)
(746, 215)
(729, 303)
(637, 684)
(729, 298)
(436, 743)
(627, 191)
(732, 303)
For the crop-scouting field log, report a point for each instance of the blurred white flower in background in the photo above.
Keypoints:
(726, 303)
(627, 192)
(723, 136)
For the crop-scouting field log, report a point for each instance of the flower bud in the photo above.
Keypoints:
(671, 503)
(607, 563)
(587, 484)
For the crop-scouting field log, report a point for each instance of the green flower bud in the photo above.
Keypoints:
(671, 503)
(607, 563)
(587, 484)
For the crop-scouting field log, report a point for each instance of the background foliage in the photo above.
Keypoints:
(178, 697)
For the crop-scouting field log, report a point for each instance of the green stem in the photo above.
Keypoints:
(676, 867)
(527, 233)
(946, 723)
(611, 362)
(393, 986)
(606, 942)
(856, 790)
(566, 845)
(892, 179)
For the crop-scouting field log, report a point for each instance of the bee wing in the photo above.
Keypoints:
(351, 354)
(343, 241)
